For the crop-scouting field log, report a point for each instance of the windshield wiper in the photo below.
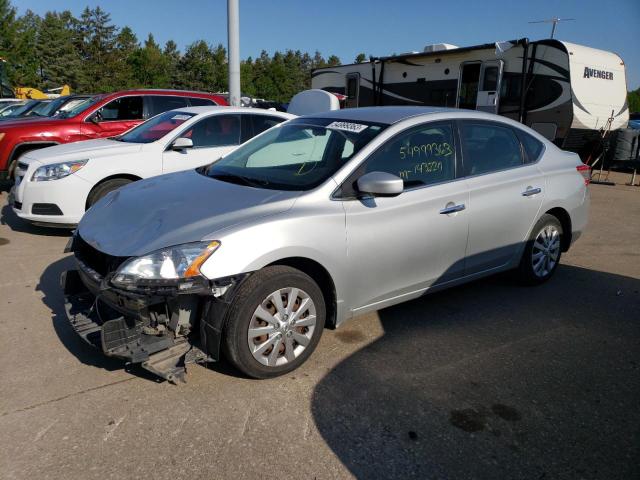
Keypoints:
(237, 179)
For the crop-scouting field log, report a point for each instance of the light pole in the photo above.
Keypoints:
(233, 31)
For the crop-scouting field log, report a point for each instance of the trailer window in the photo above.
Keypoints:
(490, 79)
(542, 91)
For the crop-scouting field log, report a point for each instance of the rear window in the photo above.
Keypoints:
(120, 109)
(201, 102)
(488, 147)
(532, 146)
(163, 103)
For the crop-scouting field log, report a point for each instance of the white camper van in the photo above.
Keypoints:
(567, 92)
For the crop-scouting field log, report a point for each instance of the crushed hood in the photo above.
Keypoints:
(88, 149)
(173, 209)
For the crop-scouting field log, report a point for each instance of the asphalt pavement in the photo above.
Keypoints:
(487, 380)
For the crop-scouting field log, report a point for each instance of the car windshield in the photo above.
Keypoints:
(80, 107)
(156, 127)
(19, 112)
(40, 110)
(299, 155)
(10, 109)
(49, 109)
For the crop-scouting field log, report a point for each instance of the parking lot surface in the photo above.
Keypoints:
(487, 380)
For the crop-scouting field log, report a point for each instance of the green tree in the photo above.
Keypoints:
(8, 40)
(25, 62)
(361, 58)
(126, 46)
(634, 101)
(333, 61)
(150, 65)
(196, 67)
(57, 51)
(98, 50)
(172, 57)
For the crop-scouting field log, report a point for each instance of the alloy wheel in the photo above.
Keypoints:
(545, 251)
(281, 326)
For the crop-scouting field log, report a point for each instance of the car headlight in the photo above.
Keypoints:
(165, 266)
(56, 171)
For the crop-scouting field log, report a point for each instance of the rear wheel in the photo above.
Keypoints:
(102, 189)
(542, 252)
(274, 323)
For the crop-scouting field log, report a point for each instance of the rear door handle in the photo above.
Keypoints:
(452, 209)
(531, 191)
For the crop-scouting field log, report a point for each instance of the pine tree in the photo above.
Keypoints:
(57, 53)
(197, 67)
(126, 45)
(172, 56)
(98, 50)
(150, 65)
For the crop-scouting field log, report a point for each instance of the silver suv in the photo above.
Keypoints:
(315, 221)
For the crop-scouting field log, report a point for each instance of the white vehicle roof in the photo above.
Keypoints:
(224, 109)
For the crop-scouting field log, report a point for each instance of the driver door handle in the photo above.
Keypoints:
(531, 191)
(452, 209)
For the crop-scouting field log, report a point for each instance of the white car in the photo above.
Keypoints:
(56, 185)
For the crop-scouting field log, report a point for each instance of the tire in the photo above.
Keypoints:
(106, 187)
(544, 245)
(252, 309)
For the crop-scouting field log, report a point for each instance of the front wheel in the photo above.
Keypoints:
(542, 252)
(106, 187)
(275, 322)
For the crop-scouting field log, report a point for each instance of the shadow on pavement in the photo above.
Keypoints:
(15, 223)
(494, 380)
(49, 285)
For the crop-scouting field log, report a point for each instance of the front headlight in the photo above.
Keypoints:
(173, 263)
(56, 171)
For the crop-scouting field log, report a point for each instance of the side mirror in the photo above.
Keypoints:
(380, 184)
(182, 143)
(96, 117)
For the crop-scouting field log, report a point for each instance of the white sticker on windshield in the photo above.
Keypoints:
(347, 126)
(180, 117)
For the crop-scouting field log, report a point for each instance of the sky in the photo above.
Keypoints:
(375, 27)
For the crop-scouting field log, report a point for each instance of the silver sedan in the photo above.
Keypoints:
(313, 222)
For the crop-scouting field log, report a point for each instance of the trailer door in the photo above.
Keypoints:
(489, 88)
(352, 90)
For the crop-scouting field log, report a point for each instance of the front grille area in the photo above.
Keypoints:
(17, 205)
(94, 258)
(45, 209)
(22, 166)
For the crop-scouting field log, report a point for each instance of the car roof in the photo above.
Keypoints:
(389, 115)
(220, 108)
(386, 115)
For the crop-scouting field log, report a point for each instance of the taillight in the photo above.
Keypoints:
(585, 171)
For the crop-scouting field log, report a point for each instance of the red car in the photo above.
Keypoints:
(100, 116)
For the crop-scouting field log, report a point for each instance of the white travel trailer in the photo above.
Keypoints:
(567, 92)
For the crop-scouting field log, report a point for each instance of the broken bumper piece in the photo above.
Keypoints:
(124, 327)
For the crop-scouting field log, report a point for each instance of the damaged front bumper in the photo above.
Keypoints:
(162, 329)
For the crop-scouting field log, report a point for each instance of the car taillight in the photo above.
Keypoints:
(585, 171)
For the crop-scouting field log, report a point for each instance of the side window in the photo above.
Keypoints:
(532, 146)
(163, 103)
(264, 122)
(488, 147)
(215, 131)
(123, 108)
(423, 155)
(201, 102)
